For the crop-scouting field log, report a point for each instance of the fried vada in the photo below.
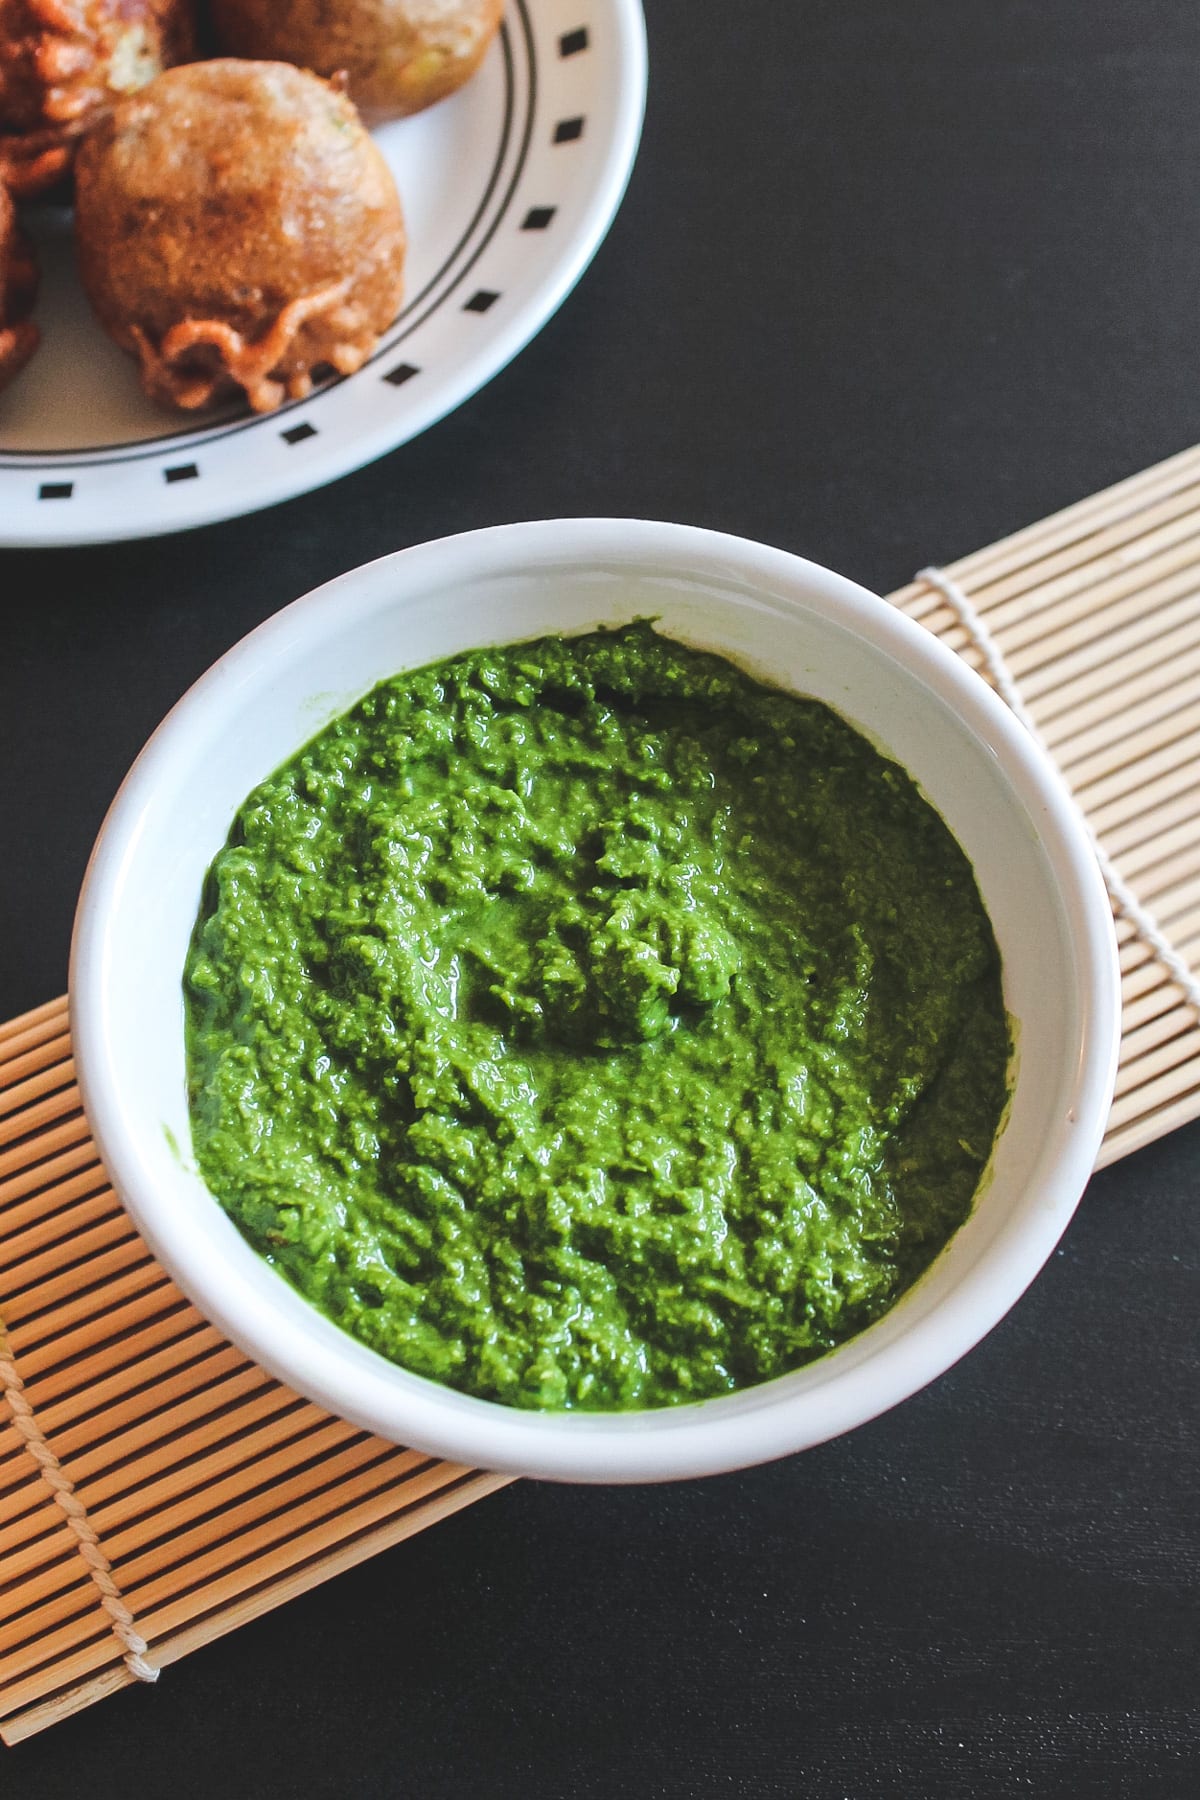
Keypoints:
(398, 56)
(18, 288)
(63, 61)
(237, 228)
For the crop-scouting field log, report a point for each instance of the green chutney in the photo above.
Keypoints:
(583, 1024)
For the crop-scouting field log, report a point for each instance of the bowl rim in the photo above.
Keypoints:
(754, 1425)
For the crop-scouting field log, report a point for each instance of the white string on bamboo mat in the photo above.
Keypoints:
(1125, 902)
(133, 1645)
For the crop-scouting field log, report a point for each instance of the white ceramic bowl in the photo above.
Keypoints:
(786, 621)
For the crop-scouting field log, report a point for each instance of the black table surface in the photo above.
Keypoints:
(890, 281)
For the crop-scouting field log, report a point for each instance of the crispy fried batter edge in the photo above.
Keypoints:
(250, 365)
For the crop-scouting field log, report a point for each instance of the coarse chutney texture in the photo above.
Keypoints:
(583, 1024)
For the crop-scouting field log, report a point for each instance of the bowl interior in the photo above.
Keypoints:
(790, 624)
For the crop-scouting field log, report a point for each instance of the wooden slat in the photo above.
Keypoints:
(20, 1059)
(47, 1171)
(32, 1117)
(44, 1230)
(34, 1162)
(47, 1021)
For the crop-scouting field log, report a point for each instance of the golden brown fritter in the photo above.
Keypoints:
(63, 61)
(237, 228)
(398, 55)
(18, 289)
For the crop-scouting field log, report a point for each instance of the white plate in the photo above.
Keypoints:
(508, 188)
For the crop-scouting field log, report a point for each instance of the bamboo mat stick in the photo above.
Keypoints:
(42, 1554)
(1088, 722)
(70, 1391)
(1145, 846)
(1157, 1037)
(1167, 702)
(100, 1334)
(1167, 790)
(1177, 905)
(1124, 781)
(1150, 1097)
(1171, 888)
(36, 1551)
(1162, 998)
(1171, 737)
(1151, 1065)
(57, 1271)
(17, 1104)
(85, 1196)
(17, 1066)
(281, 1451)
(289, 1504)
(96, 1318)
(47, 1172)
(70, 1138)
(1145, 1118)
(208, 1401)
(187, 1370)
(219, 1442)
(57, 1298)
(74, 1605)
(33, 1027)
(1098, 664)
(1133, 955)
(1094, 615)
(22, 1242)
(30, 1118)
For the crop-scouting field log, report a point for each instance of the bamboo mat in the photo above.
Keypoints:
(140, 1451)
(1096, 612)
(157, 1489)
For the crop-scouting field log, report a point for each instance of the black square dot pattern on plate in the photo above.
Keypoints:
(557, 95)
